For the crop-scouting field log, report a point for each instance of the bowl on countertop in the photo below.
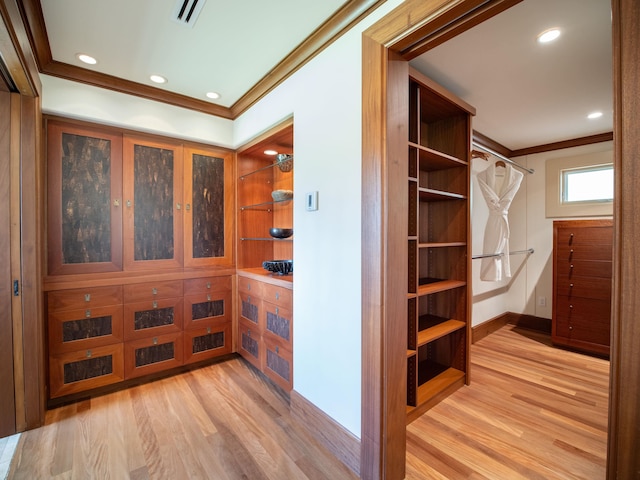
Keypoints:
(278, 267)
(280, 232)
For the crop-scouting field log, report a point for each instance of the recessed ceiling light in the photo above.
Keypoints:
(213, 95)
(594, 115)
(549, 35)
(158, 79)
(270, 152)
(88, 59)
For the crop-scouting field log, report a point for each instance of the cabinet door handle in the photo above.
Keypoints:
(178, 206)
(154, 291)
(188, 206)
(87, 297)
(116, 203)
(128, 203)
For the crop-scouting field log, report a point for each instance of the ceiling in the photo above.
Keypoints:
(525, 94)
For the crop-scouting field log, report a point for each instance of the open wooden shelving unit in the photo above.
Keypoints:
(438, 297)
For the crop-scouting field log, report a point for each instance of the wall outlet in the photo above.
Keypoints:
(542, 301)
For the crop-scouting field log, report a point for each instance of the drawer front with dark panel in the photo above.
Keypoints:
(250, 343)
(582, 265)
(71, 330)
(152, 318)
(153, 354)
(207, 342)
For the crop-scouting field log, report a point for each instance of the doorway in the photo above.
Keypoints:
(386, 48)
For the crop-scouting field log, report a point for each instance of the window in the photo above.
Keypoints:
(579, 186)
(588, 184)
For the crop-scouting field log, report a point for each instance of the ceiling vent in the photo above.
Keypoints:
(186, 12)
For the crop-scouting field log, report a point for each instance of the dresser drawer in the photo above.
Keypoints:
(278, 364)
(250, 286)
(278, 323)
(249, 308)
(152, 318)
(75, 372)
(566, 253)
(250, 343)
(585, 268)
(585, 287)
(278, 296)
(151, 355)
(584, 310)
(207, 342)
(585, 236)
(73, 330)
(153, 290)
(207, 285)
(78, 298)
(203, 309)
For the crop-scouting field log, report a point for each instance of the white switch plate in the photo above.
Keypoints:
(542, 301)
(312, 201)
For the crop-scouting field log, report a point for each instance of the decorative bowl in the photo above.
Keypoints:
(281, 195)
(280, 232)
(278, 267)
(285, 162)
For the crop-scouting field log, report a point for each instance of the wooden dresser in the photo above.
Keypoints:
(582, 269)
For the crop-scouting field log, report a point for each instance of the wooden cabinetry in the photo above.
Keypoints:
(140, 255)
(265, 324)
(265, 300)
(438, 244)
(582, 269)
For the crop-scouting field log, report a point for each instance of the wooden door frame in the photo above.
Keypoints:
(387, 45)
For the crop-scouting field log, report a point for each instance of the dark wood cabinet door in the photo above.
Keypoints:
(152, 204)
(208, 216)
(84, 199)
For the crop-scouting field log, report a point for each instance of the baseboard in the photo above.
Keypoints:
(339, 441)
(520, 320)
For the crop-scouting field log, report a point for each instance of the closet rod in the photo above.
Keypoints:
(502, 157)
(488, 255)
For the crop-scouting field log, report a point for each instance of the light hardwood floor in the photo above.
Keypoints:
(531, 412)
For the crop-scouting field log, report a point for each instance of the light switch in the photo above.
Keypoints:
(312, 201)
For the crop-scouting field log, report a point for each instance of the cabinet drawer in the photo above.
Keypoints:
(74, 330)
(586, 287)
(278, 322)
(150, 355)
(201, 310)
(250, 286)
(249, 307)
(152, 290)
(566, 253)
(206, 285)
(596, 333)
(75, 372)
(585, 236)
(278, 296)
(584, 311)
(249, 343)
(207, 342)
(155, 317)
(278, 364)
(585, 268)
(84, 298)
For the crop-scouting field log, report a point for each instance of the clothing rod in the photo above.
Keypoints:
(488, 255)
(502, 157)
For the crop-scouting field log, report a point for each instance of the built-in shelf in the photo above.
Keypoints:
(439, 286)
(440, 330)
(267, 239)
(440, 244)
(430, 195)
(431, 159)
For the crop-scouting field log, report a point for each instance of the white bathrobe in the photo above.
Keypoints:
(498, 196)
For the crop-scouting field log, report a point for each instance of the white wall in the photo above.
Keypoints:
(84, 102)
(532, 275)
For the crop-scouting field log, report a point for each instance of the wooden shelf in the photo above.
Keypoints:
(439, 330)
(431, 159)
(432, 390)
(439, 286)
(267, 239)
(431, 195)
(440, 244)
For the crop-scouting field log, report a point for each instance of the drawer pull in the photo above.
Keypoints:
(129, 203)
(277, 349)
(155, 340)
(570, 306)
(208, 297)
(248, 332)
(249, 286)
(208, 285)
(277, 295)
(89, 353)
(87, 297)
(277, 311)
(571, 266)
(155, 304)
(570, 328)
(188, 206)
(208, 329)
(87, 313)
(571, 285)
(178, 206)
(154, 291)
